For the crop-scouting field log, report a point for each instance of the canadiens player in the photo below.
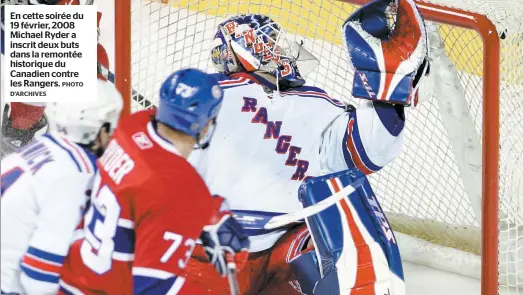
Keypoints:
(149, 205)
(44, 187)
(274, 132)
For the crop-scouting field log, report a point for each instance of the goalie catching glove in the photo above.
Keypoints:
(224, 240)
(388, 47)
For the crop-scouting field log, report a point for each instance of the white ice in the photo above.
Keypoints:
(422, 280)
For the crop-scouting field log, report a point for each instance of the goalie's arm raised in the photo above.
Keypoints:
(389, 62)
(367, 138)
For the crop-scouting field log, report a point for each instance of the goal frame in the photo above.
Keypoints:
(490, 113)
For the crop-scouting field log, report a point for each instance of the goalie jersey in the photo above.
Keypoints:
(44, 189)
(148, 208)
(265, 146)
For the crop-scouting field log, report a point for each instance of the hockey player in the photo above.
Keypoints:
(149, 205)
(274, 132)
(44, 187)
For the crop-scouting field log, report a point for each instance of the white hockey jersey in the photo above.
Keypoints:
(264, 146)
(44, 192)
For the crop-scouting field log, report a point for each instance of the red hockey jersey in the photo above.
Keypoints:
(148, 207)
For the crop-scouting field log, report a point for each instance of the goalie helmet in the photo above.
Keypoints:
(82, 122)
(254, 42)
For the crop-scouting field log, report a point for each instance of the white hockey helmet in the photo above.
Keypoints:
(81, 122)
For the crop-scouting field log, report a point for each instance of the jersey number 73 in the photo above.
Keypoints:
(102, 223)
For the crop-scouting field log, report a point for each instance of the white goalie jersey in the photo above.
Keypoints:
(264, 146)
(44, 189)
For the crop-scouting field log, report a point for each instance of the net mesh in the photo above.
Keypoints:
(433, 190)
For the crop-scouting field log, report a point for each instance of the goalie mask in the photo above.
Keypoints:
(255, 43)
(388, 47)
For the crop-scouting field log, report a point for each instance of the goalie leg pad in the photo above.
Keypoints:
(305, 268)
(353, 239)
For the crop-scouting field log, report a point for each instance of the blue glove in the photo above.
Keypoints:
(225, 241)
(390, 57)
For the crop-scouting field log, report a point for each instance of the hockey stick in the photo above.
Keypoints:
(282, 220)
(231, 275)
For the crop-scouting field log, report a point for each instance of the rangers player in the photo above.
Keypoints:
(44, 187)
(149, 205)
(274, 132)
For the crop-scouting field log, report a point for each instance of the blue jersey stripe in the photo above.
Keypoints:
(65, 149)
(362, 154)
(46, 255)
(40, 276)
(143, 285)
(332, 102)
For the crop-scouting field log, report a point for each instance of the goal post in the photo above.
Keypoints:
(122, 49)
(457, 188)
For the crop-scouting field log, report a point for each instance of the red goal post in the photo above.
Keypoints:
(490, 111)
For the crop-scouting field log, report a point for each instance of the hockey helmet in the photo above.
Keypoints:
(189, 99)
(254, 42)
(81, 122)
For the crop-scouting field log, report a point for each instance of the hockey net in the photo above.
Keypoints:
(458, 163)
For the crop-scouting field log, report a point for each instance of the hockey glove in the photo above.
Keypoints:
(225, 241)
(387, 46)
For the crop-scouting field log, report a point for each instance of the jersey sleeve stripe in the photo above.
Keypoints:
(354, 153)
(316, 94)
(41, 264)
(226, 84)
(149, 281)
(68, 289)
(177, 286)
(126, 223)
(152, 272)
(125, 257)
(39, 275)
(46, 256)
(53, 140)
(232, 81)
(86, 162)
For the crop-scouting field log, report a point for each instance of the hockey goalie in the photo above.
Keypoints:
(274, 132)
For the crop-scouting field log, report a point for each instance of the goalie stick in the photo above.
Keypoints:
(282, 220)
